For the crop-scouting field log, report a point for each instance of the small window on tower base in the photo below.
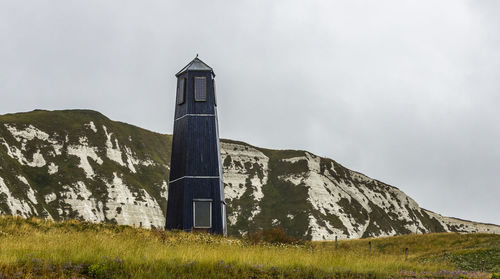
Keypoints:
(202, 213)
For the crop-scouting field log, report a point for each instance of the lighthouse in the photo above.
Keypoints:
(196, 187)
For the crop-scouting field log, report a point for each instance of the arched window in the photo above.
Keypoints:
(181, 91)
(200, 89)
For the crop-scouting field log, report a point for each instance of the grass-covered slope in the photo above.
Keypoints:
(78, 164)
(62, 164)
(40, 248)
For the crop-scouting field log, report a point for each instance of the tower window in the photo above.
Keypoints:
(200, 89)
(180, 91)
(202, 213)
(215, 96)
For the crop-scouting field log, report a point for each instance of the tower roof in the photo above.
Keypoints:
(196, 65)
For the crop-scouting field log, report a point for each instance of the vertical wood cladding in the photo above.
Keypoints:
(196, 170)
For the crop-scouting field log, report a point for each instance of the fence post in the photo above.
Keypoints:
(406, 253)
(336, 243)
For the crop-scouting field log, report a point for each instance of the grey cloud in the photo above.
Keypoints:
(406, 92)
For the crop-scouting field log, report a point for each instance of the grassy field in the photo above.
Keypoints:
(38, 248)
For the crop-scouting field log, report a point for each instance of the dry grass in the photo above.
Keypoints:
(52, 249)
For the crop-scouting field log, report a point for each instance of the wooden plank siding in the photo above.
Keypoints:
(196, 170)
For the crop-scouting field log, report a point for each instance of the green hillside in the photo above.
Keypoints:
(66, 128)
(32, 248)
(79, 164)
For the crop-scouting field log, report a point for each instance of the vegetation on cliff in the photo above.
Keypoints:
(79, 164)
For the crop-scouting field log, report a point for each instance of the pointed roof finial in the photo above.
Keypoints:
(196, 65)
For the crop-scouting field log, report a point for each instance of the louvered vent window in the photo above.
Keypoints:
(200, 89)
(215, 96)
(180, 91)
(202, 213)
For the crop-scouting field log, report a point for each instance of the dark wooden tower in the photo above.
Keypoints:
(196, 189)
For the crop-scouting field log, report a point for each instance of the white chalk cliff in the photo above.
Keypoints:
(79, 164)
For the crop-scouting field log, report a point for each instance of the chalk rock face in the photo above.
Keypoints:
(79, 164)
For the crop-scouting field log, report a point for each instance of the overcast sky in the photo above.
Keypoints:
(406, 92)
